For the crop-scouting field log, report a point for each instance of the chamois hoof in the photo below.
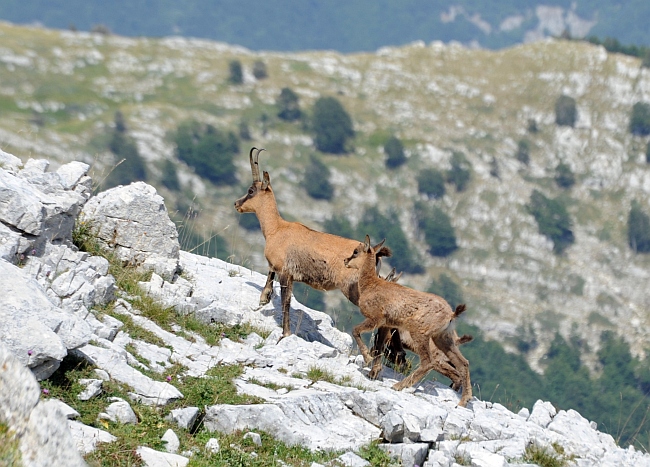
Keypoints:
(373, 374)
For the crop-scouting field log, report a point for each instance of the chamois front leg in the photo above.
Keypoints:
(367, 326)
(267, 293)
(286, 287)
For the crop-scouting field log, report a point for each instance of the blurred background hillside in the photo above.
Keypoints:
(514, 179)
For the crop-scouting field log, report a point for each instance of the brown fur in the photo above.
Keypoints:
(295, 252)
(428, 319)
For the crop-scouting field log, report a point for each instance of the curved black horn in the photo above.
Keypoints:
(254, 167)
(256, 175)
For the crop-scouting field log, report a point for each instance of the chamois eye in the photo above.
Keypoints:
(250, 191)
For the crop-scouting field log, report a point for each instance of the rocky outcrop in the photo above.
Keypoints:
(47, 311)
(133, 222)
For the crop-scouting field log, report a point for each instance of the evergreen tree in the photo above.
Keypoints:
(647, 153)
(316, 180)
(437, 229)
(638, 229)
(564, 176)
(460, 172)
(640, 119)
(552, 219)
(394, 150)
(566, 112)
(236, 74)
(431, 182)
(209, 151)
(288, 105)
(259, 70)
(332, 125)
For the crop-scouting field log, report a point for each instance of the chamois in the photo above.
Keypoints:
(294, 251)
(428, 319)
(393, 342)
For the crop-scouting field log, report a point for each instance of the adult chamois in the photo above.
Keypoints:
(294, 251)
(428, 319)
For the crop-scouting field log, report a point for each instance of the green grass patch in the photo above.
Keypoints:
(375, 456)
(544, 457)
(9, 449)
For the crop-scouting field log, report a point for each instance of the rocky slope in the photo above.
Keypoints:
(60, 90)
(59, 303)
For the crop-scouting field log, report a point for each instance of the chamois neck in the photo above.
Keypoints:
(268, 214)
(368, 271)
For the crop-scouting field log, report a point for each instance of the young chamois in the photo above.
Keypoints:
(392, 342)
(428, 319)
(294, 251)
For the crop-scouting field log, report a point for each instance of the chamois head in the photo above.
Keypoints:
(248, 202)
(356, 260)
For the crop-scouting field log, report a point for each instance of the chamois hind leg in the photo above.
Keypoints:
(267, 293)
(366, 326)
(442, 365)
(387, 342)
(286, 287)
(447, 344)
(421, 347)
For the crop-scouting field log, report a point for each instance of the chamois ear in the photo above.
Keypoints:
(378, 246)
(366, 244)
(266, 182)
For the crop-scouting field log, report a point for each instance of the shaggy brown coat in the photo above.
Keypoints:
(428, 319)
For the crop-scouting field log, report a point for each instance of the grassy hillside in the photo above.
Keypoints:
(60, 91)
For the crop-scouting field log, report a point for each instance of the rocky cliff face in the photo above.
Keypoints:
(50, 311)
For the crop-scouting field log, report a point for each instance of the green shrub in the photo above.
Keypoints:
(316, 180)
(209, 151)
(647, 153)
(431, 182)
(394, 150)
(566, 112)
(638, 229)
(640, 119)
(532, 126)
(552, 219)
(236, 74)
(437, 229)
(288, 105)
(460, 172)
(332, 125)
(447, 289)
(564, 176)
(523, 151)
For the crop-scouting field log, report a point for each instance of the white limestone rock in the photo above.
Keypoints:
(153, 458)
(185, 417)
(133, 221)
(172, 443)
(93, 389)
(119, 411)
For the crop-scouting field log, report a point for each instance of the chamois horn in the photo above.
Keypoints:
(255, 169)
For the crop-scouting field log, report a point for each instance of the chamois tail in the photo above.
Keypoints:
(464, 339)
